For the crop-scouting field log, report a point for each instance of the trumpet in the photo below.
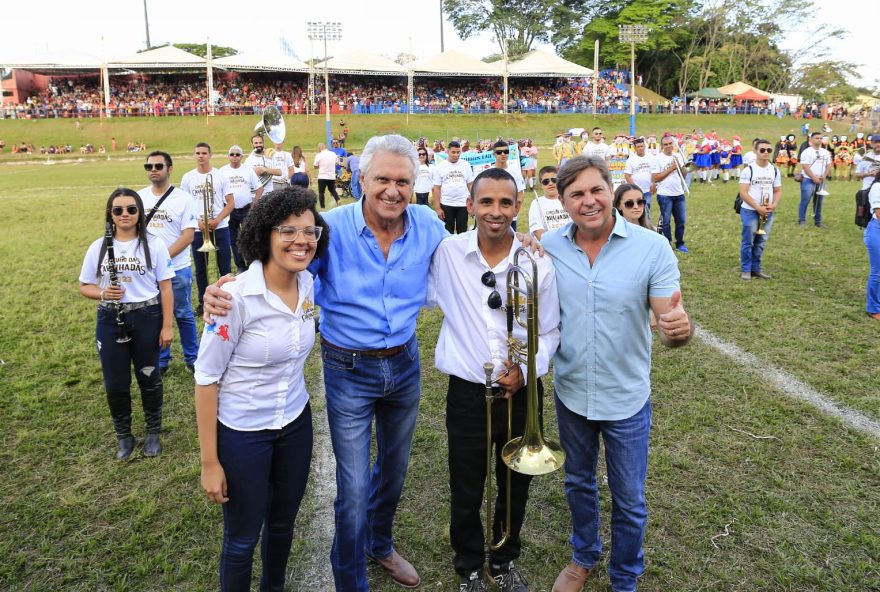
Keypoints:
(530, 454)
(208, 204)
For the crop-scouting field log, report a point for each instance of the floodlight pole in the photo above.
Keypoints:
(504, 49)
(319, 31)
(147, 25)
(632, 34)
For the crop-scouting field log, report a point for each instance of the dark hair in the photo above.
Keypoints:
(815, 134)
(453, 144)
(500, 144)
(759, 141)
(164, 155)
(575, 166)
(639, 140)
(547, 169)
(596, 128)
(496, 174)
(618, 197)
(270, 211)
(204, 145)
(140, 227)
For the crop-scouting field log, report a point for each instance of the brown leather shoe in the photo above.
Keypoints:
(400, 570)
(571, 579)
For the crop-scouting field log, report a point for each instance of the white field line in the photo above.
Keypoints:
(317, 574)
(791, 386)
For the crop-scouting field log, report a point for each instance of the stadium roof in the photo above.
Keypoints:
(165, 57)
(258, 62)
(362, 62)
(66, 62)
(539, 63)
(454, 63)
(738, 88)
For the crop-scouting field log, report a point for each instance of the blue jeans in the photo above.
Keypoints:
(142, 351)
(222, 256)
(356, 184)
(358, 390)
(872, 242)
(752, 245)
(266, 475)
(672, 206)
(807, 187)
(181, 283)
(626, 457)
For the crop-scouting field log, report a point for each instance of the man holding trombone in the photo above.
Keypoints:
(667, 173)
(760, 187)
(469, 273)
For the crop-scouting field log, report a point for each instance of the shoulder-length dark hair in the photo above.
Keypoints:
(140, 227)
(272, 209)
(618, 197)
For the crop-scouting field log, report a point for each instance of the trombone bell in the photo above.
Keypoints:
(208, 246)
(534, 456)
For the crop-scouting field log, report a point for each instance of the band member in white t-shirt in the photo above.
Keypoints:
(452, 186)
(815, 162)
(637, 171)
(174, 222)
(130, 274)
(246, 189)
(546, 212)
(760, 188)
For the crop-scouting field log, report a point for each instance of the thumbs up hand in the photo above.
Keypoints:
(675, 325)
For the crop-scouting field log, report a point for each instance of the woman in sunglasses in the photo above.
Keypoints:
(629, 200)
(252, 408)
(130, 275)
(424, 178)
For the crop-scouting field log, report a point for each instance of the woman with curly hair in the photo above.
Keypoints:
(252, 408)
(130, 275)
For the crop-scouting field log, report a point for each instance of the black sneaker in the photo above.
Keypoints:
(200, 310)
(509, 579)
(191, 368)
(473, 582)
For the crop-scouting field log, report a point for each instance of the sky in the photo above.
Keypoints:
(113, 29)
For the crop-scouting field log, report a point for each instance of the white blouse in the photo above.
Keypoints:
(257, 353)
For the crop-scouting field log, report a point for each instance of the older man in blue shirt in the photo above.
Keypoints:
(370, 286)
(610, 276)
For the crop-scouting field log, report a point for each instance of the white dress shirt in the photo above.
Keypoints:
(472, 333)
(257, 353)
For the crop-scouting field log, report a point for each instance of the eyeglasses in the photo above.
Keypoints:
(117, 210)
(499, 152)
(765, 150)
(548, 180)
(425, 154)
(630, 203)
(288, 234)
(488, 280)
(154, 166)
(234, 154)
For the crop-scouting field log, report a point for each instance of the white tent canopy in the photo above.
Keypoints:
(362, 62)
(258, 62)
(454, 63)
(539, 63)
(167, 56)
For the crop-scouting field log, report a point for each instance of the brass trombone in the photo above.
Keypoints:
(529, 454)
(208, 204)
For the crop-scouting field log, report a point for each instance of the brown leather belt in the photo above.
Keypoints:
(369, 353)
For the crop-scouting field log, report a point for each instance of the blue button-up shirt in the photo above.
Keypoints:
(603, 365)
(366, 300)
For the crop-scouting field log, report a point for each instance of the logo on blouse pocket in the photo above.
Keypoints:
(310, 311)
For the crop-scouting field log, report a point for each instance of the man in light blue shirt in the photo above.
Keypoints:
(610, 276)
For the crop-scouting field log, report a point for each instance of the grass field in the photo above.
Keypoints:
(801, 503)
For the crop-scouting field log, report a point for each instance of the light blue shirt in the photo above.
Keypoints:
(367, 301)
(603, 364)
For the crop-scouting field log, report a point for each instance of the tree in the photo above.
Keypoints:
(201, 49)
(520, 22)
(826, 81)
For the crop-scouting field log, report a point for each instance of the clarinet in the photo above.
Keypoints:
(114, 281)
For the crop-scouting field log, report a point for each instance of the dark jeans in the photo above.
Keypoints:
(222, 256)
(266, 474)
(673, 206)
(456, 218)
(143, 326)
(330, 185)
(235, 219)
(422, 198)
(466, 428)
